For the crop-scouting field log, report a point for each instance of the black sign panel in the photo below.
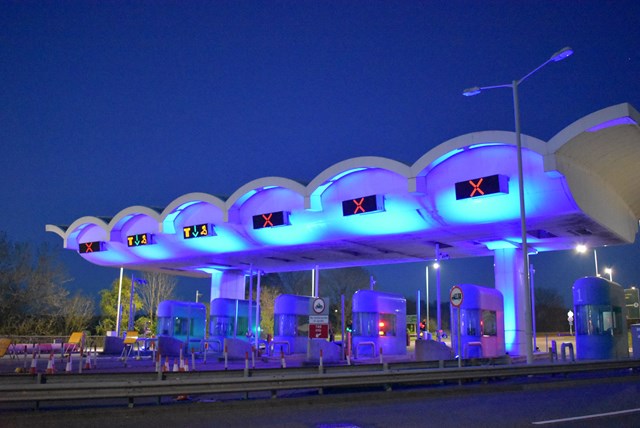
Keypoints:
(278, 218)
(197, 231)
(482, 186)
(139, 240)
(90, 247)
(362, 205)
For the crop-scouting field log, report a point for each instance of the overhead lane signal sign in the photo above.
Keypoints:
(273, 219)
(139, 240)
(362, 205)
(197, 231)
(91, 247)
(482, 186)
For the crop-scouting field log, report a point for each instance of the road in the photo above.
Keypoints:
(578, 402)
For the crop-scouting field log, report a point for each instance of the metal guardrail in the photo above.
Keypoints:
(108, 386)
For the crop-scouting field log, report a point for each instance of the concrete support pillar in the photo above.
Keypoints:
(509, 280)
(229, 284)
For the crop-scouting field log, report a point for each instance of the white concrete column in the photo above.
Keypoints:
(510, 282)
(229, 284)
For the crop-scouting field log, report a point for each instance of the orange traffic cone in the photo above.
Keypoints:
(165, 367)
(185, 367)
(50, 367)
(87, 361)
(34, 364)
(175, 365)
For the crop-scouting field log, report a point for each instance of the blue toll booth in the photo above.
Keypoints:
(229, 318)
(481, 322)
(181, 326)
(291, 316)
(379, 322)
(600, 326)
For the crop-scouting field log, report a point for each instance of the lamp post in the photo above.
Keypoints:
(609, 272)
(558, 56)
(581, 248)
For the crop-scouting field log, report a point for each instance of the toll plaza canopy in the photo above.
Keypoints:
(581, 187)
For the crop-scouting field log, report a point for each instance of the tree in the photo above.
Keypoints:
(109, 306)
(551, 311)
(158, 287)
(32, 298)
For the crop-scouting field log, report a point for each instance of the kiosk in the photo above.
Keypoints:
(379, 323)
(181, 326)
(601, 330)
(229, 319)
(291, 319)
(481, 322)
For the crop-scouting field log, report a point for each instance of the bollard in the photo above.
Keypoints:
(381, 362)
(157, 358)
(68, 367)
(193, 360)
(320, 366)
(246, 364)
(81, 357)
(175, 365)
(253, 357)
(226, 360)
(206, 348)
(34, 364)
(165, 367)
(348, 358)
(283, 363)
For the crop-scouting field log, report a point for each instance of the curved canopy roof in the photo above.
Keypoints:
(462, 196)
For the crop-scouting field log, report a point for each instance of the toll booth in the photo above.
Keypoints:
(229, 319)
(292, 317)
(600, 324)
(379, 323)
(481, 322)
(181, 326)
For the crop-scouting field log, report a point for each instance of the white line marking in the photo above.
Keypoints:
(577, 418)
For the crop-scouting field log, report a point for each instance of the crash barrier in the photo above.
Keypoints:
(473, 348)
(94, 387)
(365, 345)
(553, 351)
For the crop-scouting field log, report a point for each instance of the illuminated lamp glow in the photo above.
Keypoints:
(613, 122)
(499, 245)
(168, 225)
(477, 146)
(315, 196)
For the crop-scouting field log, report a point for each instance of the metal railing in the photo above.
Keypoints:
(136, 385)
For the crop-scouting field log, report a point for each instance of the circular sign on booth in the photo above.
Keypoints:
(455, 296)
(318, 305)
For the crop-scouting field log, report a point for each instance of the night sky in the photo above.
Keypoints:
(105, 105)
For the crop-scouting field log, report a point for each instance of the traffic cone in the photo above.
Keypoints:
(34, 364)
(165, 367)
(87, 361)
(185, 368)
(68, 367)
(50, 367)
(175, 365)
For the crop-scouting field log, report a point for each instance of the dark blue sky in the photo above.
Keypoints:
(104, 105)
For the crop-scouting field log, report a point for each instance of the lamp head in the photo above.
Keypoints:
(469, 92)
(562, 54)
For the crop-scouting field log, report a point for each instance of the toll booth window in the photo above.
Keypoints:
(164, 326)
(387, 325)
(470, 319)
(365, 324)
(291, 325)
(221, 326)
(488, 323)
(180, 326)
(603, 320)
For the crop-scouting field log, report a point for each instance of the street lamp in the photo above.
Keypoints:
(558, 56)
(609, 272)
(581, 248)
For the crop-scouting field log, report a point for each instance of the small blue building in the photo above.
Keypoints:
(379, 323)
(481, 322)
(601, 329)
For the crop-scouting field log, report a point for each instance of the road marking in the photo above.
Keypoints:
(577, 418)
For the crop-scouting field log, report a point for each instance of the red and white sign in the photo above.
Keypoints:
(455, 296)
(318, 331)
